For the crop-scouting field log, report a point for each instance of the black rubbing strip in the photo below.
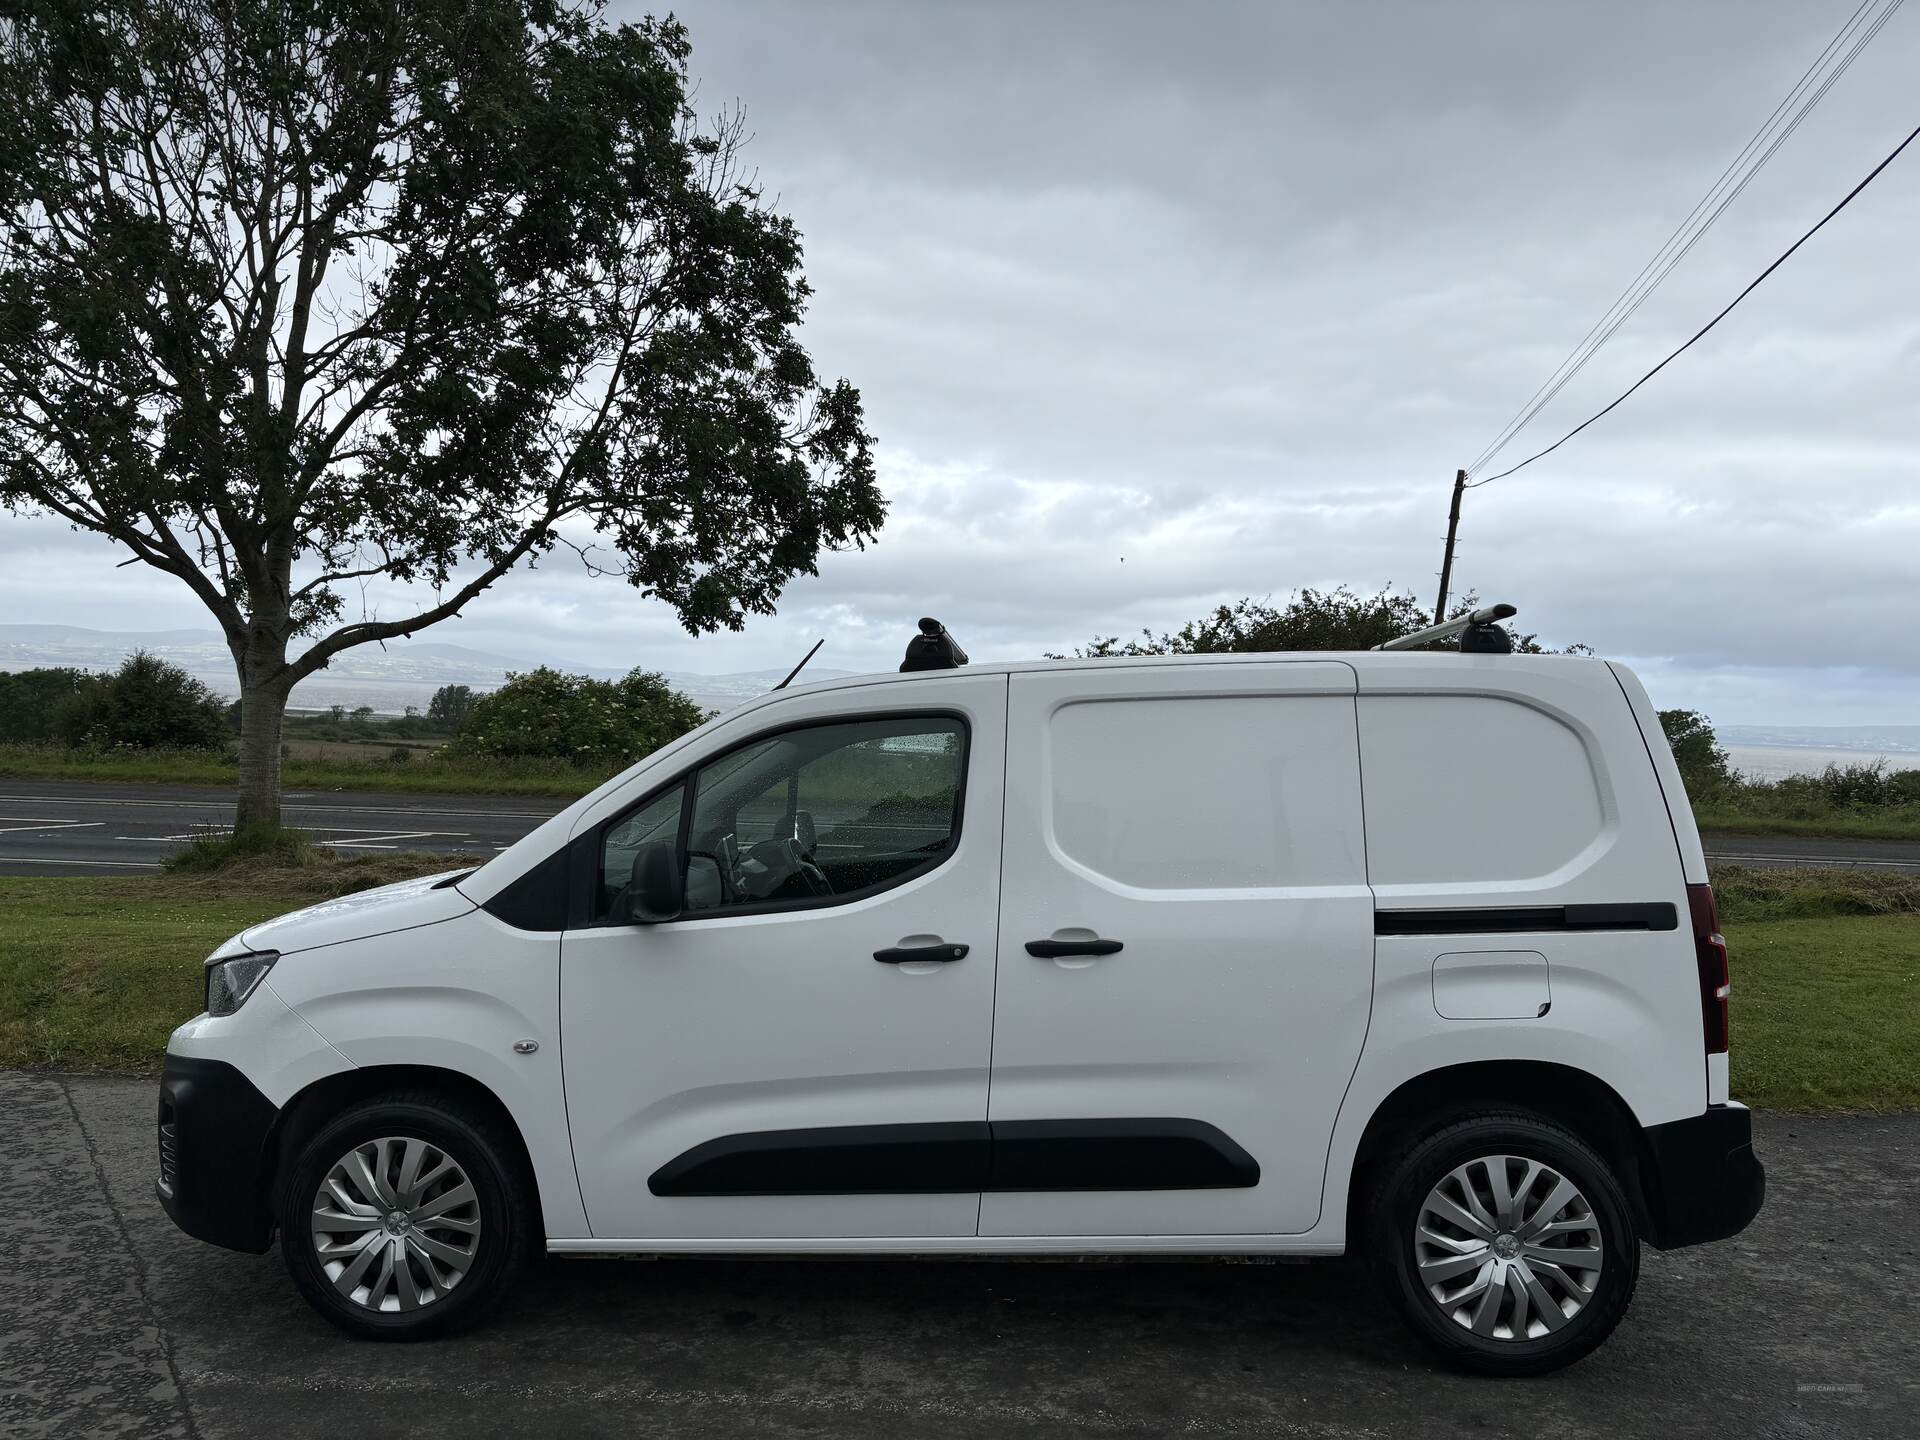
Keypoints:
(1119, 1154)
(926, 1159)
(1655, 915)
(963, 1156)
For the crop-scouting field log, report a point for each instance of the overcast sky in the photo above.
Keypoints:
(1157, 306)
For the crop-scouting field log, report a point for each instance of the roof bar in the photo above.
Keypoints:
(1485, 615)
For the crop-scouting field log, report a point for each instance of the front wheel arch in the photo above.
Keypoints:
(304, 1115)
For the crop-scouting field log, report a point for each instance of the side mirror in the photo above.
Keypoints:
(658, 888)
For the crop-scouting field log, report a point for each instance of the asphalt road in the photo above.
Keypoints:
(80, 828)
(1902, 856)
(113, 1323)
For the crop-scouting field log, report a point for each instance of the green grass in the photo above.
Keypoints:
(427, 773)
(94, 973)
(1755, 893)
(1826, 1013)
(1902, 823)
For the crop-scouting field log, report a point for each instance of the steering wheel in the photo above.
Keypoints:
(773, 864)
(805, 838)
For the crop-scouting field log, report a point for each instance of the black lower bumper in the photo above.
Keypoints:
(215, 1129)
(1700, 1178)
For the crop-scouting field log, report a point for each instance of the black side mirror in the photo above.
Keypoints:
(658, 888)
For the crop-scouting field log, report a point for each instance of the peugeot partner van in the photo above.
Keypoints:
(1281, 955)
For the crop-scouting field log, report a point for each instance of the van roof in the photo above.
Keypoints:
(1362, 661)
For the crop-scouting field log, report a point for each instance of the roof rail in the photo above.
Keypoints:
(1476, 630)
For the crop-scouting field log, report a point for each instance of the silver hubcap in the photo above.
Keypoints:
(1508, 1248)
(396, 1224)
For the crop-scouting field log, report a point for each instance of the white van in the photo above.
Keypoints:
(1280, 955)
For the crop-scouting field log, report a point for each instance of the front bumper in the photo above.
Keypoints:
(1700, 1178)
(215, 1130)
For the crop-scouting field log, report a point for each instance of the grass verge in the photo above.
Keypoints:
(1900, 824)
(1826, 1013)
(430, 774)
(1760, 893)
(94, 973)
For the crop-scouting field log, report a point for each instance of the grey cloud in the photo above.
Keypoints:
(1229, 290)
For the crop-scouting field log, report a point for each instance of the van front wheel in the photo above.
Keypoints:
(1506, 1243)
(404, 1217)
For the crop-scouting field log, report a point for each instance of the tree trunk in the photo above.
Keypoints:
(262, 709)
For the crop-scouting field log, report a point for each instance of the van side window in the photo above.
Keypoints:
(824, 811)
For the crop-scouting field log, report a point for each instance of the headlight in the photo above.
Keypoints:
(232, 980)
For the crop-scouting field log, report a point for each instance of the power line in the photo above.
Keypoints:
(1760, 148)
(1753, 285)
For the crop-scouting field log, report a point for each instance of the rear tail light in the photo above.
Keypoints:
(1710, 953)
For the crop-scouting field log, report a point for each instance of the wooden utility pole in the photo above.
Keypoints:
(1446, 560)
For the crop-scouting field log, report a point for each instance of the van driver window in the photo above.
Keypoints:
(821, 811)
(657, 822)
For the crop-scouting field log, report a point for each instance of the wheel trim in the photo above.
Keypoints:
(395, 1224)
(1508, 1248)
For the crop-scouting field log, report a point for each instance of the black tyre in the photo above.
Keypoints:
(1506, 1242)
(406, 1216)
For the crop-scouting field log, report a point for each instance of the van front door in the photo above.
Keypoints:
(1186, 948)
(803, 1052)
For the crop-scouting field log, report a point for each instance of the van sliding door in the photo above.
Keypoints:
(1186, 948)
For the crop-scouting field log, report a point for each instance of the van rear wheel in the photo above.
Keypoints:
(1506, 1242)
(405, 1217)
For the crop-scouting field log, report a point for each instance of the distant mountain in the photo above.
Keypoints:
(390, 678)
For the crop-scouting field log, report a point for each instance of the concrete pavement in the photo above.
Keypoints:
(111, 1323)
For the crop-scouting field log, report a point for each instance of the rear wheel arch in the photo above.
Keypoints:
(309, 1110)
(1576, 1099)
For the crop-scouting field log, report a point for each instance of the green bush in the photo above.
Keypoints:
(545, 715)
(1703, 764)
(147, 704)
(29, 698)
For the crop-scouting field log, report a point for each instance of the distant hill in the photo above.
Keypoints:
(389, 678)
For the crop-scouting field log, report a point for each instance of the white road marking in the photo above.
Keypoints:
(110, 864)
(10, 823)
(1816, 860)
(115, 800)
(374, 843)
(375, 833)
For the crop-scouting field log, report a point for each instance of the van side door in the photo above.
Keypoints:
(1186, 948)
(802, 1052)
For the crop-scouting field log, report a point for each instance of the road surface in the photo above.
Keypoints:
(78, 828)
(113, 1323)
